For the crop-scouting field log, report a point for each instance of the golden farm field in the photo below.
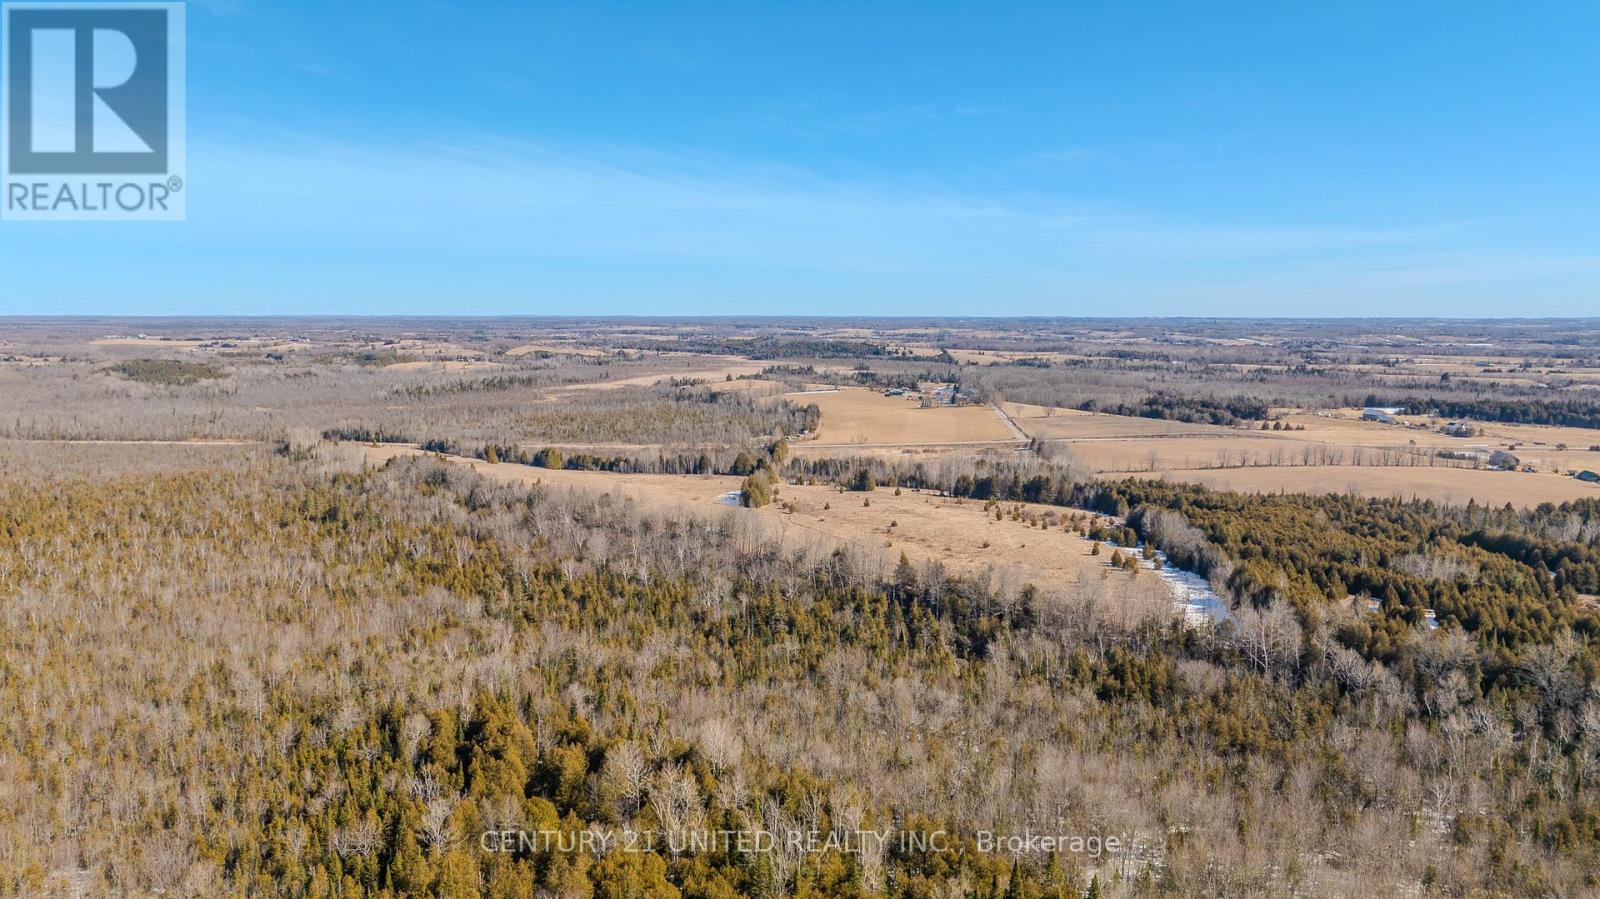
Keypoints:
(1454, 486)
(1052, 423)
(1334, 453)
(149, 342)
(853, 416)
(1545, 447)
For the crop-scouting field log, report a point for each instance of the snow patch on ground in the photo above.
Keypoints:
(1193, 593)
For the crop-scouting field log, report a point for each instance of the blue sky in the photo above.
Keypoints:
(847, 158)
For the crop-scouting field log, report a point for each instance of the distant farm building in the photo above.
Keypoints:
(1460, 429)
(950, 396)
(1589, 477)
(1386, 416)
(1504, 460)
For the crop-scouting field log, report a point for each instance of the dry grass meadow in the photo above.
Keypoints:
(1451, 486)
(1337, 452)
(855, 417)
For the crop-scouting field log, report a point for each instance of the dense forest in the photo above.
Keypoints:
(363, 673)
(1566, 413)
(1196, 410)
(735, 460)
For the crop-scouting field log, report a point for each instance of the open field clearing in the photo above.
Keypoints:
(958, 534)
(1346, 425)
(160, 342)
(853, 416)
(654, 492)
(1526, 435)
(1120, 455)
(1114, 444)
(1546, 447)
(1050, 423)
(928, 453)
(1341, 428)
(1444, 485)
(1340, 440)
(756, 386)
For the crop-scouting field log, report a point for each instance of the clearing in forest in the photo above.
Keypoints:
(960, 534)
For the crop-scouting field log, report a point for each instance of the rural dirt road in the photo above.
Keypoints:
(1016, 432)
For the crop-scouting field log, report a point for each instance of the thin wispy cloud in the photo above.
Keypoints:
(508, 218)
(486, 194)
